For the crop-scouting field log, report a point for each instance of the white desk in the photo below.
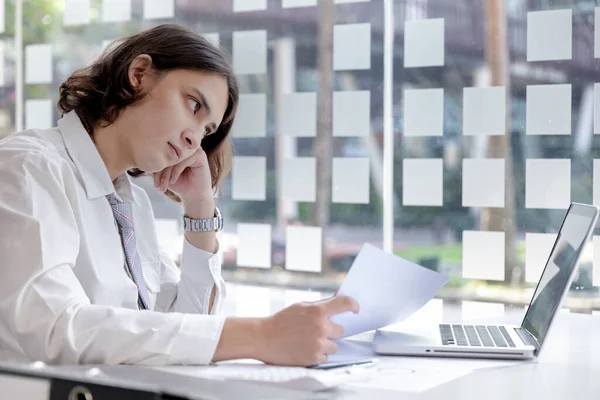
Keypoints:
(568, 368)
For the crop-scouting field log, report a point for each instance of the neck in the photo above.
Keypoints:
(113, 151)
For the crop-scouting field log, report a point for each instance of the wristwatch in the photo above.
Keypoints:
(204, 225)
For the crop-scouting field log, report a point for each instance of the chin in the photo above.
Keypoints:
(152, 166)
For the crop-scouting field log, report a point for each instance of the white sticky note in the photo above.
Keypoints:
(38, 114)
(254, 245)
(423, 112)
(116, 10)
(300, 114)
(2, 62)
(303, 251)
(292, 296)
(77, 12)
(214, 38)
(483, 183)
(352, 113)
(252, 301)
(249, 178)
(298, 3)
(250, 52)
(351, 47)
(483, 255)
(476, 310)
(159, 9)
(2, 16)
(597, 106)
(251, 117)
(350, 180)
(484, 111)
(38, 64)
(299, 179)
(596, 267)
(388, 289)
(549, 35)
(249, 5)
(548, 183)
(597, 32)
(423, 182)
(596, 183)
(537, 250)
(548, 110)
(424, 43)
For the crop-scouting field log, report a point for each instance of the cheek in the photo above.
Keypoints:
(164, 122)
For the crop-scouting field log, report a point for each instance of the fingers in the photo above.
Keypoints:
(180, 167)
(334, 331)
(330, 347)
(340, 304)
(164, 179)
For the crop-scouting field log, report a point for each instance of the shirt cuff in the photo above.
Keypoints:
(199, 265)
(200, 332)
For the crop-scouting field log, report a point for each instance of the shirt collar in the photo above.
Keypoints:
(85, 156)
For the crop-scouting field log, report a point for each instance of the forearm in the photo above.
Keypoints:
(240, 338)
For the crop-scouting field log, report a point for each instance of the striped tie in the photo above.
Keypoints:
(124, 217)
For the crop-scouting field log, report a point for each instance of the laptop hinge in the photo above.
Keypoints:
(528, 337)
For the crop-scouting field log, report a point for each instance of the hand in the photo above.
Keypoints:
(190, 178)
(302, 334)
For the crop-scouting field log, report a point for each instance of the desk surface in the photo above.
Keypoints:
(568, 367)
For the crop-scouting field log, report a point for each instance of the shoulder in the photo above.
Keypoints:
(31, 150)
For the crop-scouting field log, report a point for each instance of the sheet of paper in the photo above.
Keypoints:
(410, 374)
(400, 374)
(388, 289)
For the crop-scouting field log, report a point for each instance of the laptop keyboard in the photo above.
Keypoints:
(475, 336)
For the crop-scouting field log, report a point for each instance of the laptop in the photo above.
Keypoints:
(505, 341)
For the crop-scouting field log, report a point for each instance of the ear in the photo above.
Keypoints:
(140, 72)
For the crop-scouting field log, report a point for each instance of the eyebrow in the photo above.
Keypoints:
(202, 98)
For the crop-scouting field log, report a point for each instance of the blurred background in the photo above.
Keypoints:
(492, 135)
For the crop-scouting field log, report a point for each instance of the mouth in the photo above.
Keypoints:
(176, 150)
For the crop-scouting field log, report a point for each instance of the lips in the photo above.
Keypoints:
(176, 150)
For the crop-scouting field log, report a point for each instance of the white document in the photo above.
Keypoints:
(410, 374)
(388, 289)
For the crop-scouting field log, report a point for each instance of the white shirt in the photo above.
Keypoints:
(65, 294)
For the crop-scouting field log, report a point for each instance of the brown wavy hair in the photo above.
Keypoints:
(101, 90)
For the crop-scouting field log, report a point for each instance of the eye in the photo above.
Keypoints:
(194, 105)
(207, 131)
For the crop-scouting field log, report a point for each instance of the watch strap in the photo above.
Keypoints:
(213, 224)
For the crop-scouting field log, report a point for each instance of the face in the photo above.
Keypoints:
(180, 109)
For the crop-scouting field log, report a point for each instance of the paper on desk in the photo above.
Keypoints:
(411, 374)
(388, 289)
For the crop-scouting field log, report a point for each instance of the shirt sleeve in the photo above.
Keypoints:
(44, 311)
(190, 290)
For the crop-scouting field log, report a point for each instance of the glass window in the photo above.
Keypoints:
(494, 117)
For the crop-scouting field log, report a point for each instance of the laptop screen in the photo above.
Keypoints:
(561, 264)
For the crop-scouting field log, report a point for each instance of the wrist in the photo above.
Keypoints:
(199, 209)
(241, 338)
(260, 338)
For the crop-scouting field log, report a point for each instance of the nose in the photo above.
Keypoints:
(190, 140)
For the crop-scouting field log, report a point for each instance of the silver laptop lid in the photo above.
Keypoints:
(555, 281)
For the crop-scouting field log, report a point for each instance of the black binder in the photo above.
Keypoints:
(129, 382)
(77, 385)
